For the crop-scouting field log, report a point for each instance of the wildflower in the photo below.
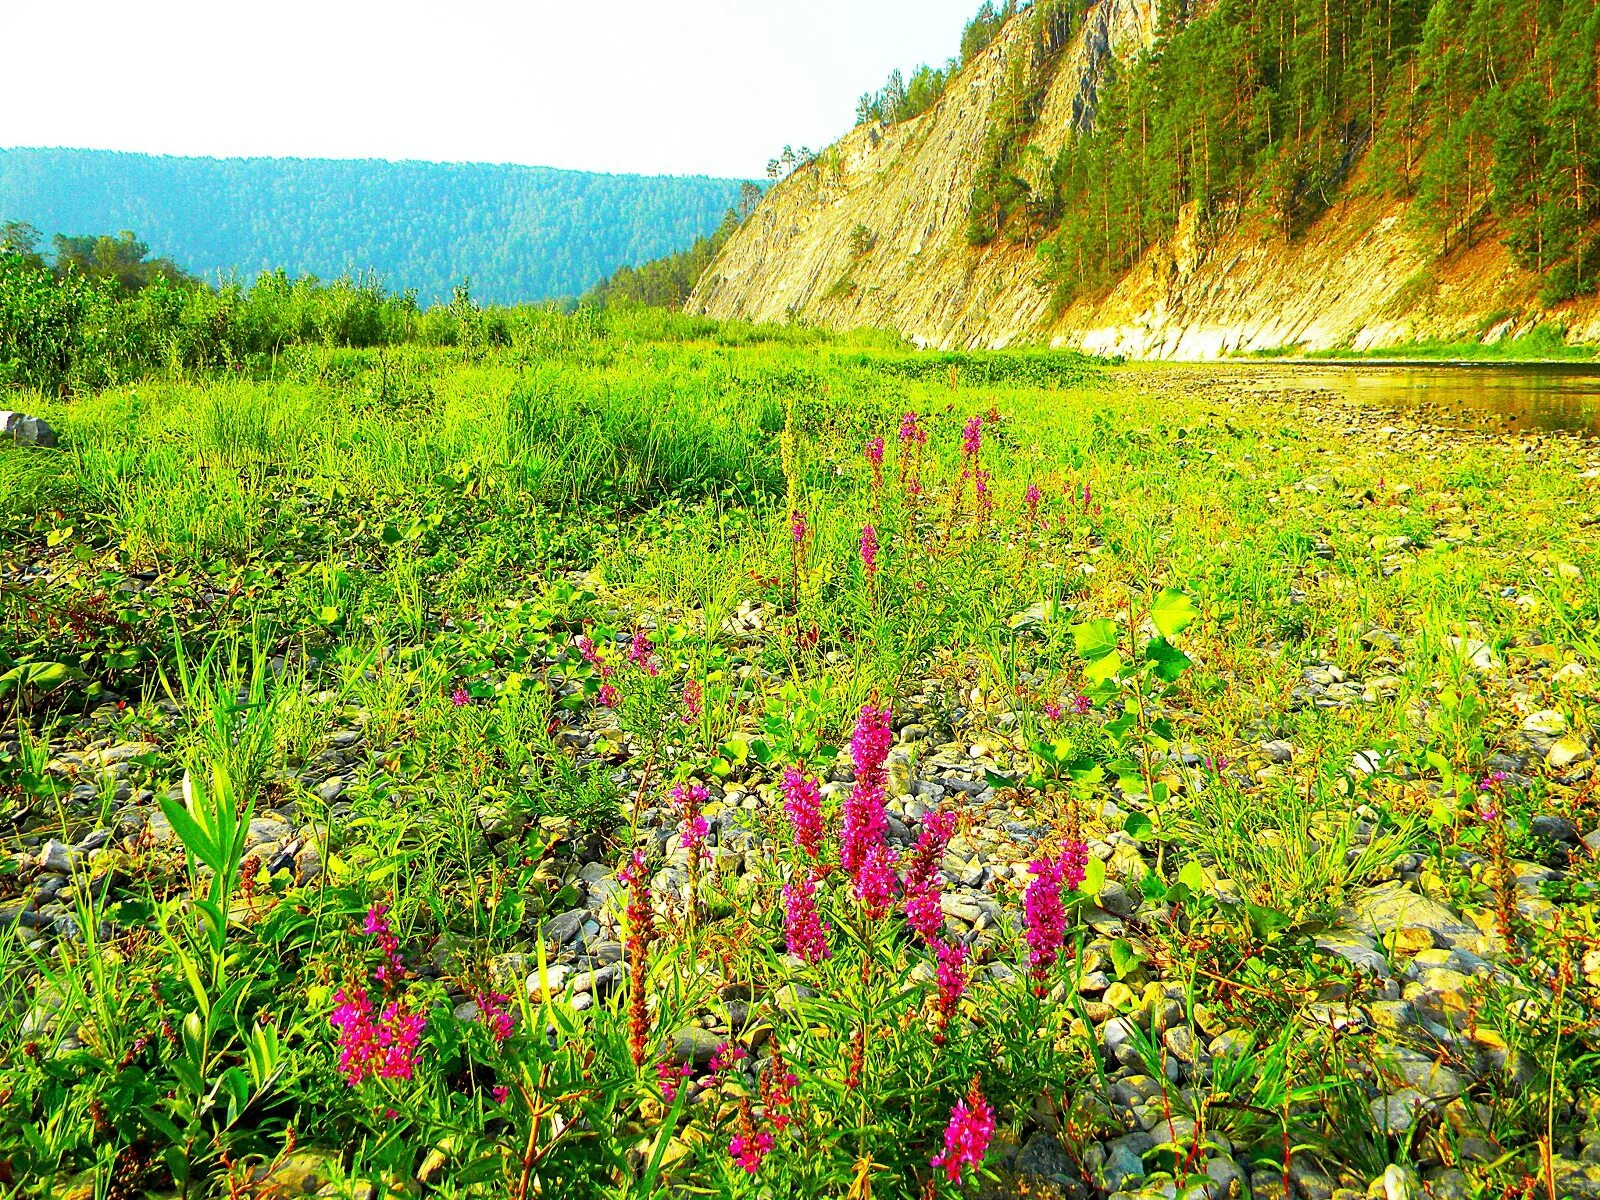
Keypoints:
(724, 1057)
(875, 882)
(922, 881)
(1081, 705)
(748, 1151)
(1216, 763)
(972, 437)
(1032, 498)
(777, 1088)
(1086, 497)
(641, 929)
(911, 432)
(864, 820)
(692, 699)
(591, 655)
(985, 499)
(1074, 863)
(641, 653)
(607, 696)
(460, 697)
(669, 1077)
(1052, 710)
(692, 827)
(500, 1092)
(805, 932)
(869, 551)
(381, 1047)
(797, 527)
(875, 457)
(1043, 915)
(966, 1138)
(492, 1007)
(951, 977)
(377, 924)
(802, 803)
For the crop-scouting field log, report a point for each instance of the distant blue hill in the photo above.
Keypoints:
(520, 233)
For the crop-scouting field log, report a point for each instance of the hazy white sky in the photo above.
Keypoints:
(700, 86)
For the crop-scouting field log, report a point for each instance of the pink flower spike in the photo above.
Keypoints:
(802, 804)
(460, 697)
(869, 550)
(966, 1138)
(805, 933)
(875, 451)
(972, 437)
(749, 1151)
(501, 1093)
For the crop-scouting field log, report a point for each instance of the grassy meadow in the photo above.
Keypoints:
(587, 766)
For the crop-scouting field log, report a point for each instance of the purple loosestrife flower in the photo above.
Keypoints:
(642, 654)
(500, 1092)
(922, 884)
(951, 977)
(1074, 863)
(1032, 499)
(492, 1007)
(670, 1078)
(802, 803)
(966, 1138)
(875, 458)
(1081, 705)
(460, 697)
(377, 925)
(805, 932)
(911, 432)
(985, 499)
(384, 1047)
(972, 437)
(1052, 710)
(1044, 917)
(797, 527)
(607, 696)
(869, 550)
(875, 882)
(750, 1150)
(864, 820)
(691, 701)
(692, 827)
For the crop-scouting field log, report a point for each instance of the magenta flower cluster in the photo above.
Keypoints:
(865, 822)
(869, 550)
(377, 925)
(922, 885)
(966, 1138)
(748, 1151)
(496, 1016)
(972, 437)
(805, 933)
(802, 803)
(692, 827)
(911, 432)
(375, 1046)
(875, 451)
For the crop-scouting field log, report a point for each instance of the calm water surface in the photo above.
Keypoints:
(1541, 396)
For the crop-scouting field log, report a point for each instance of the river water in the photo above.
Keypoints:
(1529, 396)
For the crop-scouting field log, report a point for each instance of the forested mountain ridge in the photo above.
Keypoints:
(520, 233)
(1196, 178)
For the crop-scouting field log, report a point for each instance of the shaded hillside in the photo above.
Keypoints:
(520, 233)
(1248, 174)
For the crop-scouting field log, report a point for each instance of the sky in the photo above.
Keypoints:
(714, 87)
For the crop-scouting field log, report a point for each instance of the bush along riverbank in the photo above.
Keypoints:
(685, 760)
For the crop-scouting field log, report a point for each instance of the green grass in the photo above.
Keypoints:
(372, 566)
(1545, 343)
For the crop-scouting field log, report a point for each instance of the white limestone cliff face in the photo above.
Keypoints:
(1358, 277)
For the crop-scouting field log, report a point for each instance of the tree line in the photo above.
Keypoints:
(1483, 111)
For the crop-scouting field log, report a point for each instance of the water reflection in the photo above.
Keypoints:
(1545, 396)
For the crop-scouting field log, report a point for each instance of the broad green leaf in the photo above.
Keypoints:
(1193, 877)
(1104, 668)
(1095, 639)
(1138, 826)
(1172, 612)
(1124, 958)
(1169, 660)
(1094, 877)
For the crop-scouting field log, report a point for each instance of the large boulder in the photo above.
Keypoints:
(25, 430)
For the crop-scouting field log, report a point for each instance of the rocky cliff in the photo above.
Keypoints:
(872, 234)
